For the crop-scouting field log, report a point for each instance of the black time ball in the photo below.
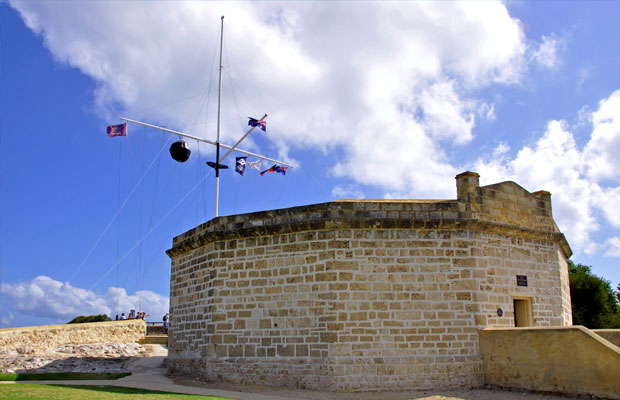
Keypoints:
(180, 151)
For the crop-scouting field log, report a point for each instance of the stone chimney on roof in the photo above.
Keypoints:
(466, 184)
(544, 202)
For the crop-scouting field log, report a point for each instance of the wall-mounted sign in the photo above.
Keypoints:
(500, 312)
(521, 280)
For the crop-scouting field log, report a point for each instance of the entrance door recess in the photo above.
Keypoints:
(523, 312)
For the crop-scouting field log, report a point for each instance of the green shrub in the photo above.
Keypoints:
(594, 302)
(90, 318)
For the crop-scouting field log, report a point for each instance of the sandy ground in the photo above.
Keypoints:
(464, 394)
(147, 364)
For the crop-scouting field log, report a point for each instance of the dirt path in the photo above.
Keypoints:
(463, 394)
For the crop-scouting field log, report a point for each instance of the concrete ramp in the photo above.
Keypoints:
(612, 335)
(571, 360)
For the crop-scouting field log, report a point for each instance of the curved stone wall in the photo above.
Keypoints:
(363, 295)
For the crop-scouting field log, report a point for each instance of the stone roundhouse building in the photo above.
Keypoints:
(365, 294)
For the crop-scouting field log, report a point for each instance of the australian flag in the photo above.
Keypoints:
(240, 165)
(117, 130)
(255, 122)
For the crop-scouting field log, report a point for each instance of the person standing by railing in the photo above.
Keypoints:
(166, 323)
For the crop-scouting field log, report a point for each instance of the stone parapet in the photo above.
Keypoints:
(355, 214)
(35, 338)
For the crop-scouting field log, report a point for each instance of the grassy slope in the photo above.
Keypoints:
(52, 392)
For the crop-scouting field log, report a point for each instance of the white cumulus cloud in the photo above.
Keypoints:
(583, 181)
(547, 54)
(603, 149)
(47, 298)
(378, 83)
(347, 192)
(612, 247)
(381, 80)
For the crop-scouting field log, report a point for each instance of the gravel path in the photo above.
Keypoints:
(462, 394)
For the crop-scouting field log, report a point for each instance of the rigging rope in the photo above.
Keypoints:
(116, 214)
(118, 226)
(232, 88)
(141, 214)
(148, 233)
(281, 190)
(236, 194)
(233, 84)
(169, 236)
(128, 252)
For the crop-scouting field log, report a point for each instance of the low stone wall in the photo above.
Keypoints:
(571, 360)
(34, 338)
(612, 335)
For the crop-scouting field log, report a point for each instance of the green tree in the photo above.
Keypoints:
(594, 302)
(89, 318)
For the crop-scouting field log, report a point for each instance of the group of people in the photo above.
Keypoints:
(132, 315)
(142, 315)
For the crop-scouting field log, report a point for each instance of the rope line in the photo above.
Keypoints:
(118, 222)
(232, 88)
(105, 230)
(281, 190)
(141, 216)
(128, 252)
(147, 234)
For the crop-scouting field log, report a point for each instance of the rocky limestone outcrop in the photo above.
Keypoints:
(89, 347)
(94, 357)
(51, 336)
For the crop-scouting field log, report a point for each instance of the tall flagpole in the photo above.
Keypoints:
(217, 164)
(217, 141)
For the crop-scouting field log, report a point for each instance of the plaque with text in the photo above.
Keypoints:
(521, 280)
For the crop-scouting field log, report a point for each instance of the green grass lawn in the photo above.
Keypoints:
(61, 392)
(61, 376)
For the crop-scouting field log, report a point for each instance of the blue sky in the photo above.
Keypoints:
(368, 100)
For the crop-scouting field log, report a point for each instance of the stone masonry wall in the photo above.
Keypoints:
(36, 338)
(360, 295)
(500, 259)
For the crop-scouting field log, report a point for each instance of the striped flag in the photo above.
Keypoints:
(275, 168)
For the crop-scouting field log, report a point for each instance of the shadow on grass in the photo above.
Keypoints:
(25, 391)
(127, 390)
(62, 376)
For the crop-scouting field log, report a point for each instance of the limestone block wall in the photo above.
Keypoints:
(504, 203)
(501, 259)
(33, 338)
(571, 360)
(356, 295)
